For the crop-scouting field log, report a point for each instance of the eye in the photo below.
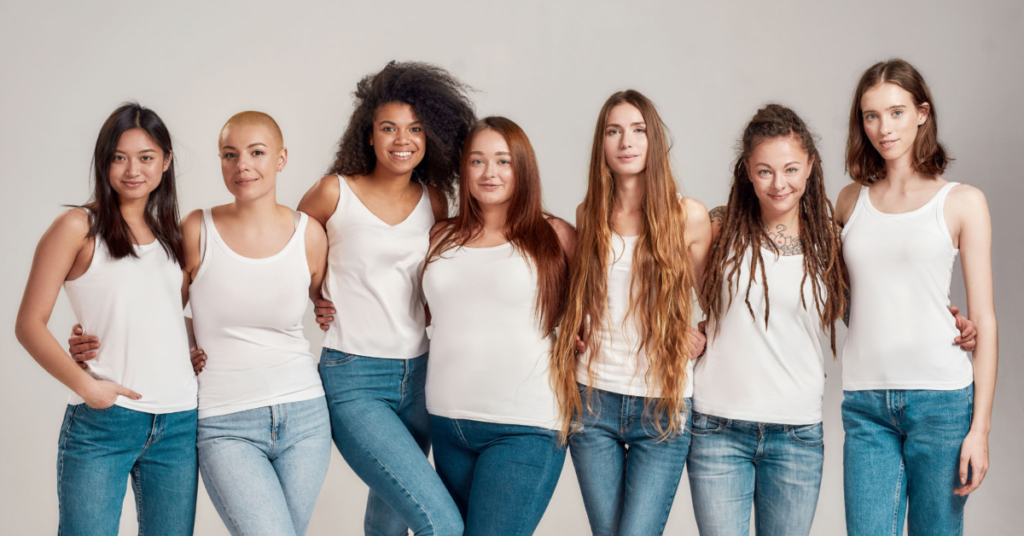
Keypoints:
(764, 172)
(257, 152)
(388, 129)
(640, 130)
(613, 131)
(504, 162)
(897, 113)
(869, 117)
(416, 129)
(229, 156)
(792, 170)
(476, 161)
(147, 157)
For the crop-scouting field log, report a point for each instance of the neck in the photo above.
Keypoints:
(629, 192)
(790, 219)
(133, 210)
(390, 182)
(900, 172)
(494, 217)
(257, 210)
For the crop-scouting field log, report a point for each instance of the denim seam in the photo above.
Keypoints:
(137, 488)
(458, 430)
(234, 528)
(896, 503)
(60, 466)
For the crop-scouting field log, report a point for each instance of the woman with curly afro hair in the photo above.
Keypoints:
(392, 178)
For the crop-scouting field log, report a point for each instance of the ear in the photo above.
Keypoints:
(924, 111)
(167, 161)
(282, 159)
(810, 162)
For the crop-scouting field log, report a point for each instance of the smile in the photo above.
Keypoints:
(887, 143)
(244, 182)
(402, 155)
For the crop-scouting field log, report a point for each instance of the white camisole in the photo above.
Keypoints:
(901, 333)
(134, 306)
(248, 320)
(373, 278)
(489, 359)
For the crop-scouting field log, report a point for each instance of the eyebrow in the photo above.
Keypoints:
(786, 165)
(889, 108)
(140, 152)
(249, 146)
(620, 126)
(504, 153)
(396, 124)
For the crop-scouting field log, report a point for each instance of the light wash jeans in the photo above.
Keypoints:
(264, 467)
(381, 427)
(99, 448)
(628, 475)
(502, 476)
(900, 445)
(776, 466)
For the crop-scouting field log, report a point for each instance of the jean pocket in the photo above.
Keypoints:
(97, 410)
(334, 358)
(808, 435)
(703, 424)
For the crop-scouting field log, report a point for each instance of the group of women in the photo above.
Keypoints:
(545, 337)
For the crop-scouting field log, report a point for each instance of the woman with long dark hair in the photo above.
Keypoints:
(495, 280)
(917, 411)
(392, 178)
(119, 259)
(622, 357)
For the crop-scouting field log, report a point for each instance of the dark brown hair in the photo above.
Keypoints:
(743, 228)
(863, 163)
(526, 225)
(161, 213)
(439, 101)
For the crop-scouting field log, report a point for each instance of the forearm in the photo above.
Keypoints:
(44, 348)
(986, 364)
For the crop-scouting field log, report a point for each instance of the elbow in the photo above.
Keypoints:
(21, 331)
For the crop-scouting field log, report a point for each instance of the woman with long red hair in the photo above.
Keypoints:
(495, 282)
(622, 357)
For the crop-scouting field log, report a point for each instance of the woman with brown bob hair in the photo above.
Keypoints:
(495, 281)
(624, 346)
(916, 409)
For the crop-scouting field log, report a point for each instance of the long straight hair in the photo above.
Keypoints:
(161, 212)
(743, 228)
(661, 289)
(526, 225)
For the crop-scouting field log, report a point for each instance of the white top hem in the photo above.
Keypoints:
(301, 396)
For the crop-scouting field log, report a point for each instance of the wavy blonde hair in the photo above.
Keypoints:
(661, 288)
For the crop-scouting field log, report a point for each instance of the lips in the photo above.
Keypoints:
(245, 182)
(133, 184)
(886, 144)
(490, 187)
(402, 155)
(628, 157)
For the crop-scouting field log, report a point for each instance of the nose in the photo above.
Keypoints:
(885, 125)
(401, 137)
(133, 168)
(778, 182)
(243, 162)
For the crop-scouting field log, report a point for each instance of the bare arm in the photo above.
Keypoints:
(698, 237)
(54, 260)
(845, 204)
(316, 257)
(321, 200)
(438, 204)
(566, 237)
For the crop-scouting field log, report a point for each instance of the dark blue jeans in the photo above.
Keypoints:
(628, 475)
(734, 463)
(900, 445)
(99, 449)
(380, 424)
(502, 476)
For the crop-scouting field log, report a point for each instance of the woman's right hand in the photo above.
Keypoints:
(101, 394)
(324, 312)
(82, 347)
(198, 357)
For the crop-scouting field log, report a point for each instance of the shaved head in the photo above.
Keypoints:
(255, 119)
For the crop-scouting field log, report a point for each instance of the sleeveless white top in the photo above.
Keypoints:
(773, 375)
(373, 278)
(248, 320)
(622, 366)
(901, 333)
(134, 306)
(489, 359)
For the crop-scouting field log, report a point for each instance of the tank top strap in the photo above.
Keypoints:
(857, 209)
(939, 210)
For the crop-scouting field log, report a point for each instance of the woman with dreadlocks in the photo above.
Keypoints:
(773, 281)
(640, 252)
(394, 173)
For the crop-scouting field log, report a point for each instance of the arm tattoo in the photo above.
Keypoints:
(846, 310)
(717, 216)
(787, 244)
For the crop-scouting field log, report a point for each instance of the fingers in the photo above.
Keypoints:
(198, 358)
(954, 310)
(702, 326)
(83, 351)
(128, 393)
(322, 303)
(76, 330)
(581, 347)
(965, 463)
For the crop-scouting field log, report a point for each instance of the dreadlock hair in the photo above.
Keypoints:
(743, 228)
(661, 289)
(437, 98)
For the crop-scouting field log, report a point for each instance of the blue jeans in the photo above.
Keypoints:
(264, 467)
(900, 445)
(776, 466)
(502, 476)
(381, 427)
(99, 448)
(627, 475)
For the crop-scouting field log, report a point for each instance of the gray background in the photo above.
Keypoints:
(65, 66)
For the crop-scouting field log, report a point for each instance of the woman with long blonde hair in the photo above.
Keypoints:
(621, 361)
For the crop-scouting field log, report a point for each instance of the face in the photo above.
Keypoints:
(625, 140)
(890, 120)
(138, 165)
(250, 160)
(779, 168)
(489, 172)
(398, 138)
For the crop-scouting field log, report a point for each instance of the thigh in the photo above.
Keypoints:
(654, 468)
(937, 423)
(302, 455)
(454, 460)
(788, 479)
(599, 458)
(95, 454)
(520, 462)
(874, 476)
(412, 406)
(720, 467)
(166, 477)
(238, 475)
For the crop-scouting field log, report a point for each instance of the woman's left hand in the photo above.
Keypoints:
(697, 342)
(973, 454)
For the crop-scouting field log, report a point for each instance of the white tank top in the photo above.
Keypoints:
(134, 306)
(373, 278)
(901, 333)
(489, 358)
(753, 374)
(248, 320)
(622, 366)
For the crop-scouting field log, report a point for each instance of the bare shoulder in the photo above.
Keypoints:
(565, 231)
(72, 224)
(968, 196)
(717, 216)
(190, 223)
(698, 222)
(315, 236)
(579, 214)
(438, 202)
(321, 199)
(846, 201)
